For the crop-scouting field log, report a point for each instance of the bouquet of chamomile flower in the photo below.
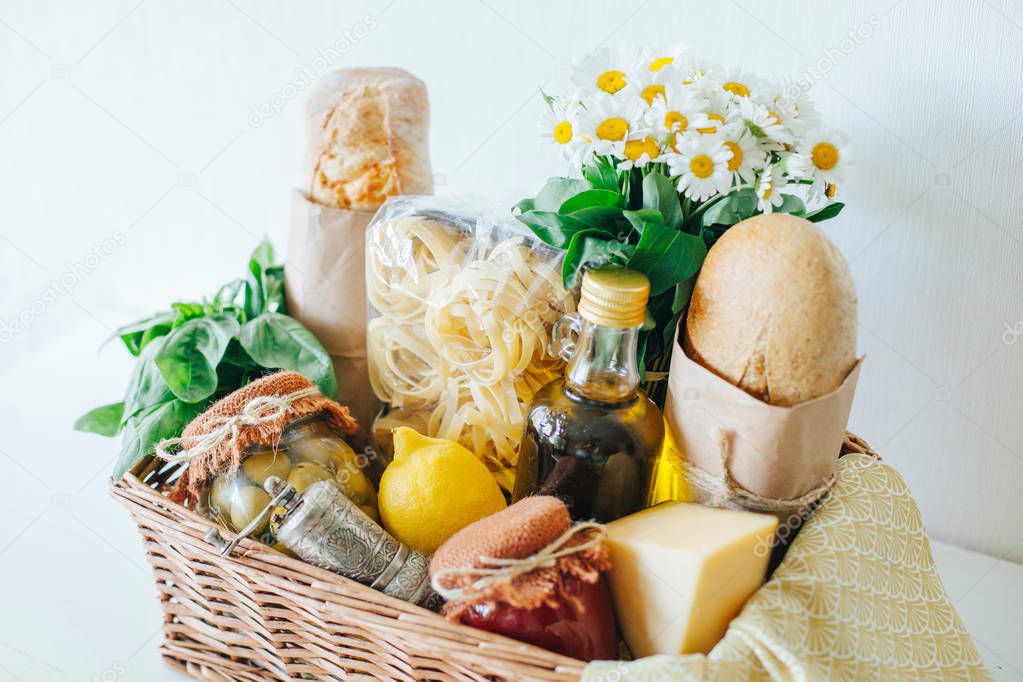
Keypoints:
(666, 152)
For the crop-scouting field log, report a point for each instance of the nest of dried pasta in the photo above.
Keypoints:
(460, 326)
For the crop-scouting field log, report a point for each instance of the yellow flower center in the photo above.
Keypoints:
(563, 132)
(829, 190)
(651, 92)
(773, 118)
(676, 122)
(767, 193)
(612, 129)
(710, 130)
(736, 88)
(736, 160)
(658, 64)
(702, 166)
(636, 148)
(824, 155)
(611, 81)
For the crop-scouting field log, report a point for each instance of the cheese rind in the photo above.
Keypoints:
(681, 572)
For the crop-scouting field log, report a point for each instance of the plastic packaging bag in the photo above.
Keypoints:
(460, 311)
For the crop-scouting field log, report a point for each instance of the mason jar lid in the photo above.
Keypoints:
(614, 296)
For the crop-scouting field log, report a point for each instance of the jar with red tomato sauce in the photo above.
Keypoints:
(527, 573)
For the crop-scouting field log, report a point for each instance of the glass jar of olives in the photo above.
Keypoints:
(308, 451)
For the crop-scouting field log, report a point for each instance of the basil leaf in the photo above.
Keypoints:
(601, 174)
(553, 228)
(104, 420)
(277, 341)
(135, 336)
(525, 205)
(146, 387)
(143, 431)
(188, 359)
(664, 255)
(273, 289)
(589, 199)
(659, 194)
(591, 248)
(557, 191)
(825, 212)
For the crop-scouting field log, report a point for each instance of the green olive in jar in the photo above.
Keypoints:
(261, 465)
(306, 473)
(355, 485)
(221, 494)
(248, 502)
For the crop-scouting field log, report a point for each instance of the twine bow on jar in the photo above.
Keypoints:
(495, 570)
(259, 410)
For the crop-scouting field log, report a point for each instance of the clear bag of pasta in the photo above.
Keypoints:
(461, 306)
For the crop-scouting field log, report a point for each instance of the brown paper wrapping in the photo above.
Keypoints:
(779, 453)
(325, 288)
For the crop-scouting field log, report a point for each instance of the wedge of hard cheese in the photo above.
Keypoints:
(681, 572)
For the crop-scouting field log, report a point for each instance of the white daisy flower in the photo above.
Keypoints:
(763, 119)
(821, 157)
(653, 85)
(739, 83)
(697, 72)
(606, 70)
(701, 166)
(607, 122)
(654, 60)
(747, 156)
(769, 187)
(680, 110)
(639, 152)
(719, 111)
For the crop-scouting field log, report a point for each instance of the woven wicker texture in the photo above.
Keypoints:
(259, 615)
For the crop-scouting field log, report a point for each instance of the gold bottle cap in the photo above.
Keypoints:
(614, 296)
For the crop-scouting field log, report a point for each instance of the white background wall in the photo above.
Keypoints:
(131, 120)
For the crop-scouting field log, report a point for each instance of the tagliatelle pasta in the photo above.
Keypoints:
(460, 325)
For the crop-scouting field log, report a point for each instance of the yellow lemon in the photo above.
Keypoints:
(432, 489)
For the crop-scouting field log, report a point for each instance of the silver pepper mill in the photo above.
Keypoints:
(326, 529)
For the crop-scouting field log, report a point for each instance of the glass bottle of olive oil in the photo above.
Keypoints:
(591, 438)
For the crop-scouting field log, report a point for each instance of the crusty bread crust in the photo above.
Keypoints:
(774, 311)
(368, 137)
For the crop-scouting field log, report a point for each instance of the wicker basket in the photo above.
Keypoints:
(259, 614)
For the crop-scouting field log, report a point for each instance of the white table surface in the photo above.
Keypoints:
(80, 603)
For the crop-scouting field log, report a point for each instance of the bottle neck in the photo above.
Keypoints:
(603, 367)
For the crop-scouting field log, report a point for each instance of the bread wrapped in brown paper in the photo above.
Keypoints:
(774, 311)
(367, 139)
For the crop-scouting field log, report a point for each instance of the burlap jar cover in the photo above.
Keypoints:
(741, 452)
(325, 290)
(520, 557)
(255, 414)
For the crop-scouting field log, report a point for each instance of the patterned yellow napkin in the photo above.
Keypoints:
(856, 598)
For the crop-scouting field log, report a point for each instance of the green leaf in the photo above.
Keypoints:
(659, 194)
(589, 199)
(281, 342)
(609, 219)
(143, 431)
(553, 228)
(825, 212)
(557, 191)
(146, 387)
(104, 420)
(186, 311)
(591, 248)
(273, 289)
(791, 204)
(601, 174)
(188, 359)
(731, 208)
(524, 205)
(664, 255)
(135, 336)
